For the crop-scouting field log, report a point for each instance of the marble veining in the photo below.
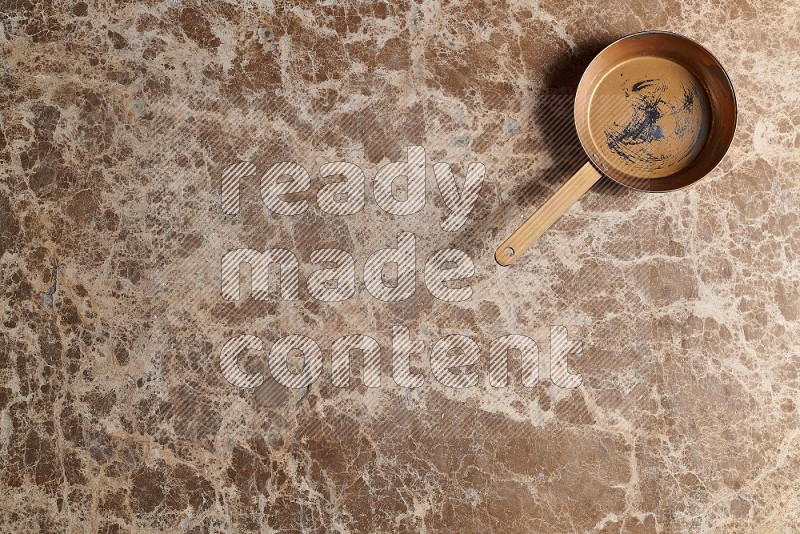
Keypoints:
(117, 121)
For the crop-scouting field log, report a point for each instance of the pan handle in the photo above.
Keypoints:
(511, 249)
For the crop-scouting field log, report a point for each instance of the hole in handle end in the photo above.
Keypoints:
(505, 256)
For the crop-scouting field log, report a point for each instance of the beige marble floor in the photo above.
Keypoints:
(118, 122)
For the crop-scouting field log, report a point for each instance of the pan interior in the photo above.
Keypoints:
(648, 118)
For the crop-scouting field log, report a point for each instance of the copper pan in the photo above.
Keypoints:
(654, 111)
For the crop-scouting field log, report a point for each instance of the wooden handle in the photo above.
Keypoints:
(514, 246)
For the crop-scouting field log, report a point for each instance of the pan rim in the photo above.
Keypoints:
(728, 82)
